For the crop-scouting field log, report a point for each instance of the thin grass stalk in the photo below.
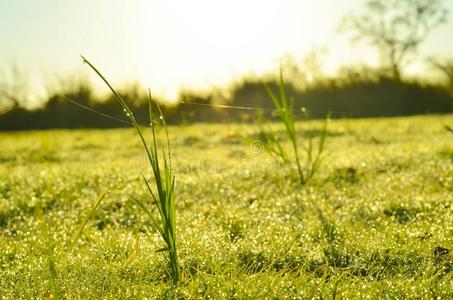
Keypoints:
(321, 146)
(164, 181)
(285, 108)
(286, 113)
(87, 218)
(309, 149)
(272, 145)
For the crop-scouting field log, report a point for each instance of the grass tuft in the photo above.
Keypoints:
(313, 156)
(164, 181)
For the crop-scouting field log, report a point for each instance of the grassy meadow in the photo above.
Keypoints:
(375, 222)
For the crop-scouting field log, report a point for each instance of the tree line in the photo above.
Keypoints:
(354, 95)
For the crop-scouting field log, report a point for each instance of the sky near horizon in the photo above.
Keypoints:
(167, 45)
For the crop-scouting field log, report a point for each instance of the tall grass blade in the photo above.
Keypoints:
(164, 180)
(87, 218)
(285, 108)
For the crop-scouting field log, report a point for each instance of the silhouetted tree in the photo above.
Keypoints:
(396, 27)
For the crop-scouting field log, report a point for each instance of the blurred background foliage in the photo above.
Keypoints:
(356, 91)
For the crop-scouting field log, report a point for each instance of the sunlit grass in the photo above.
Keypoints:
(244, 230)
(312, 156)
(164, 181)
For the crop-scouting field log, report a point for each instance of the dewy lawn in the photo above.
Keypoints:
(375, 221)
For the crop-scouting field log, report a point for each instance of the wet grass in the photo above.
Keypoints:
(308, 165)
(375, 222)
(161, 188)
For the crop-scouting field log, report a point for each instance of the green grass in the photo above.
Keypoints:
(374, 221)
(286, 110)
(164, 181)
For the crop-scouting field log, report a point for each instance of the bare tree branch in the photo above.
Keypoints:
(395, 27)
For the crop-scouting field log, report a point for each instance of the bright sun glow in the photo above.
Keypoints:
(210, 41)
(169, 44)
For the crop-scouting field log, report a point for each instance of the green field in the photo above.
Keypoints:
(376, 221)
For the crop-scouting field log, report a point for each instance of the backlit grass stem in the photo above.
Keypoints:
(164, 181)
(285, 108)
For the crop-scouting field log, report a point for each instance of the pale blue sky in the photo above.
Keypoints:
(167, 44)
